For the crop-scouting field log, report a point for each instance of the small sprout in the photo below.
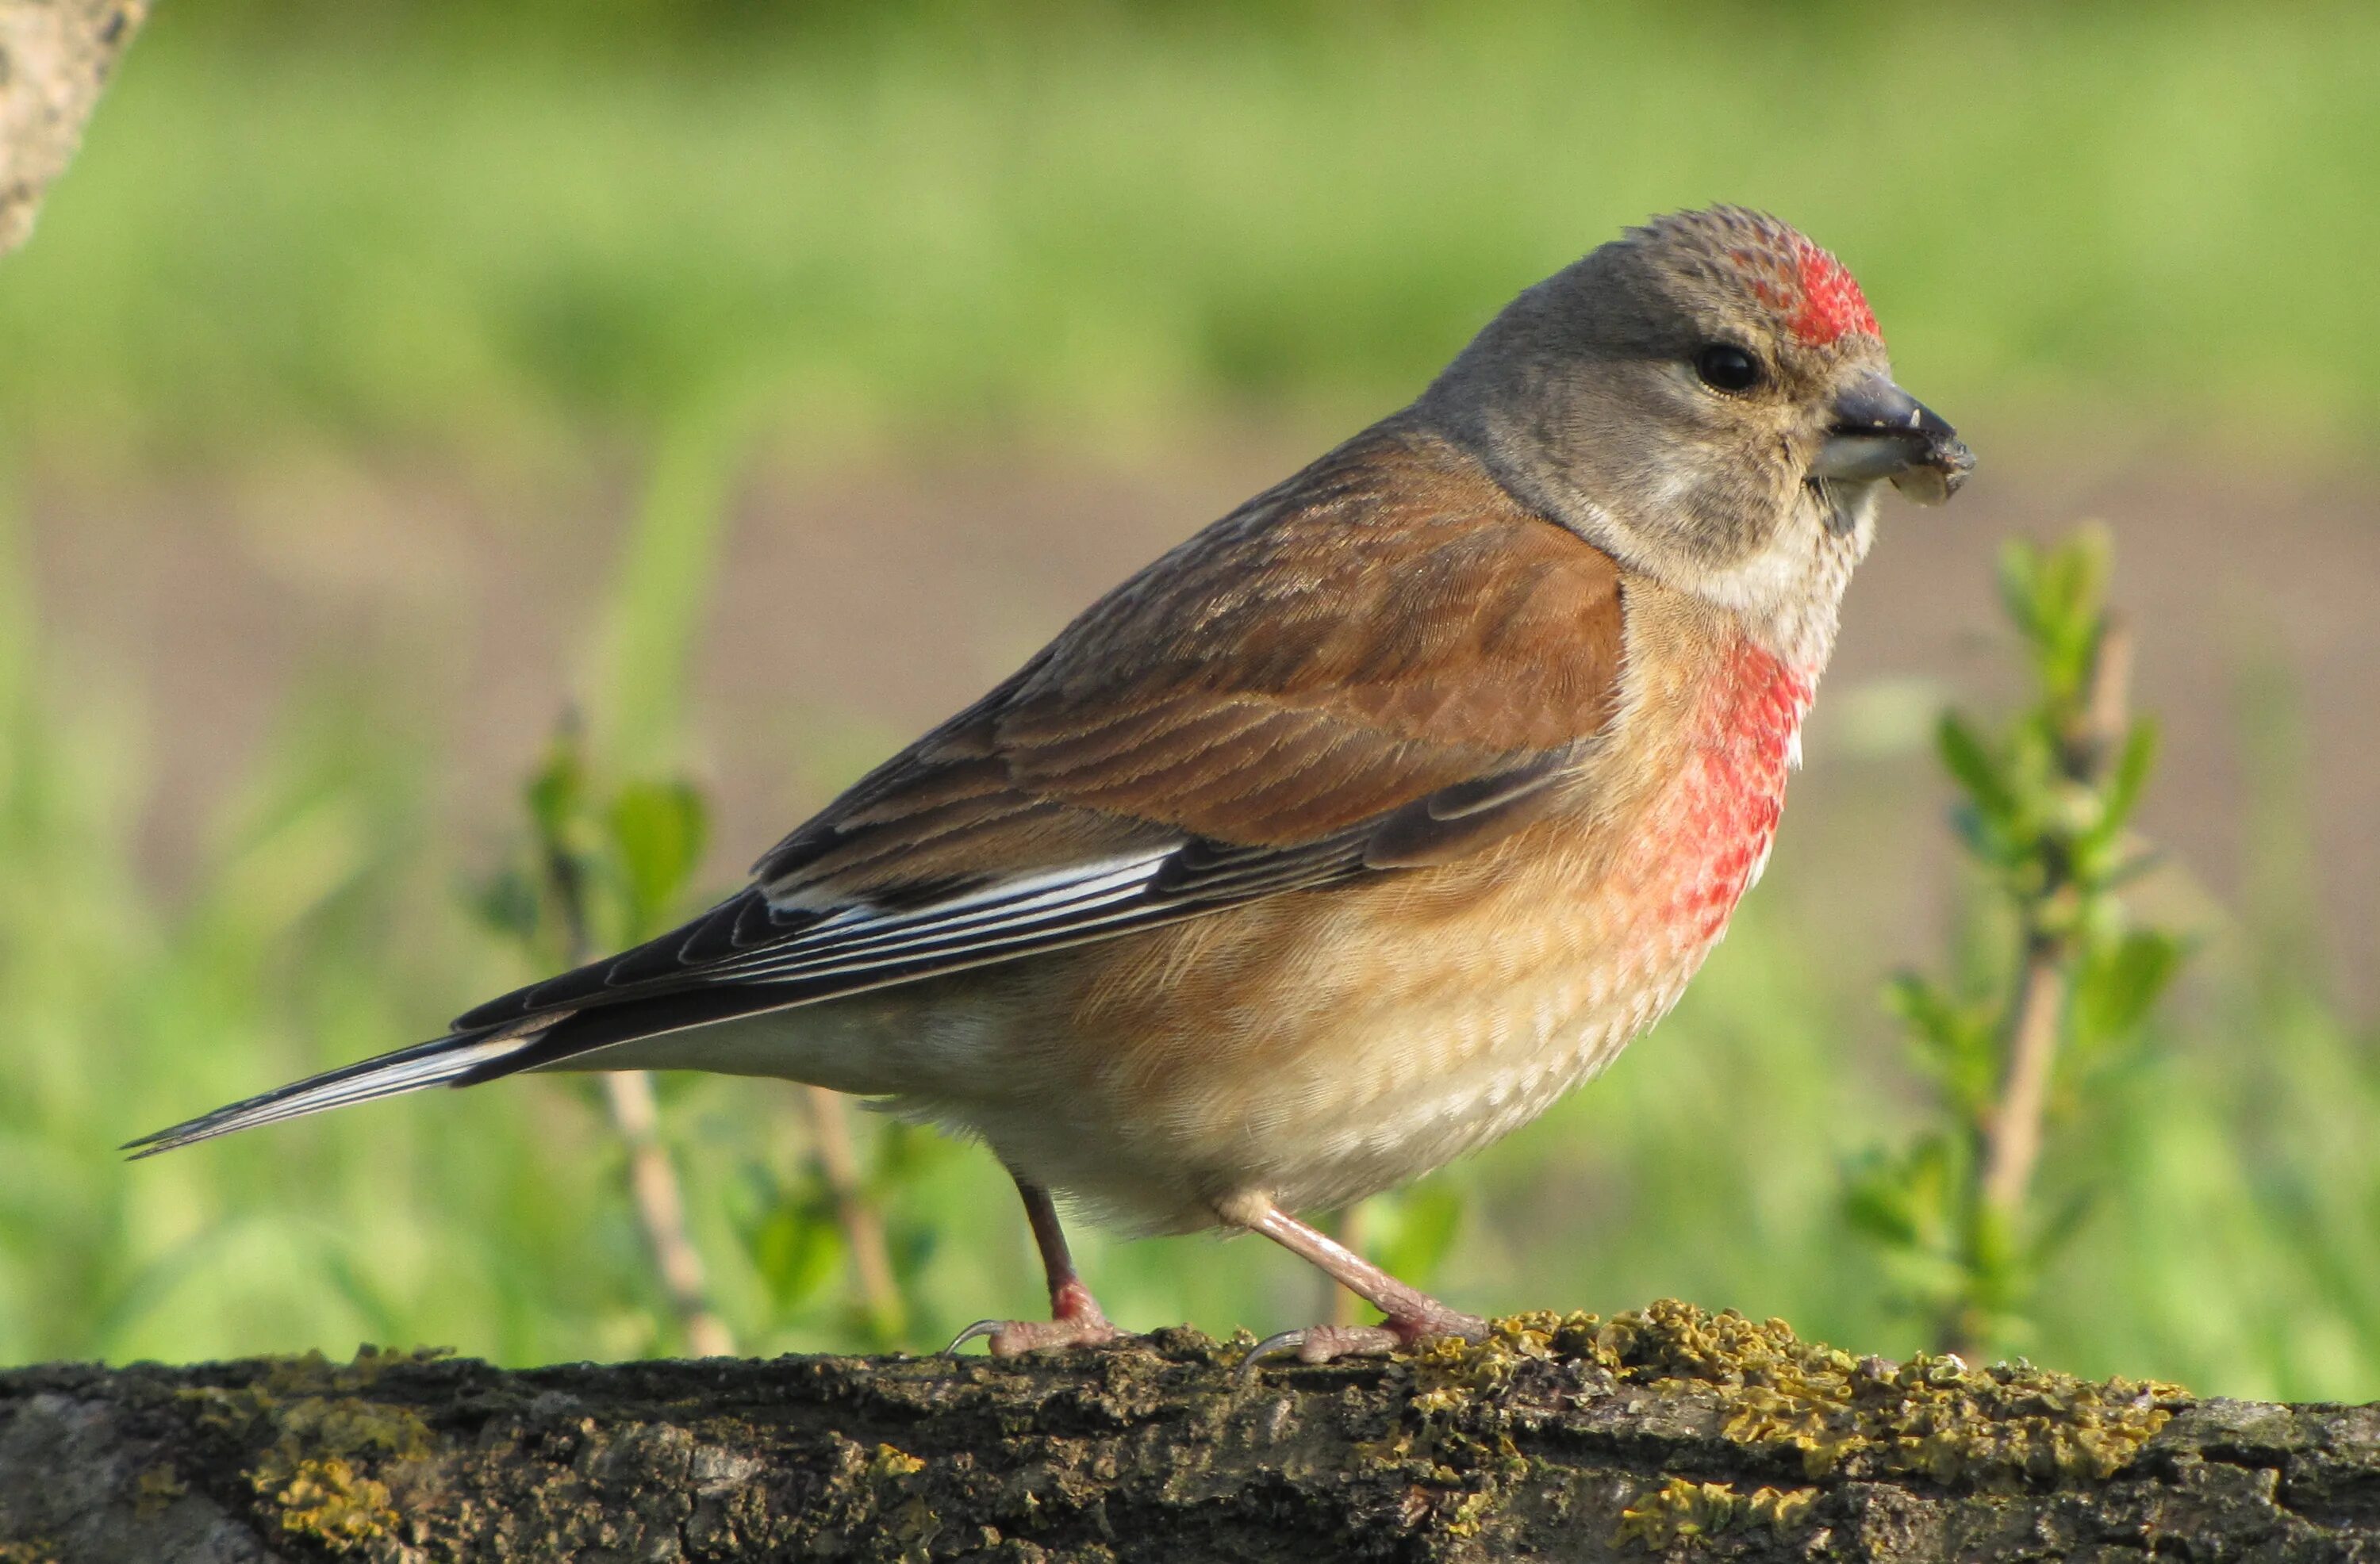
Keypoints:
(2023, 1035)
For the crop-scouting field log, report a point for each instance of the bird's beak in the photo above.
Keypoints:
(1879, 431)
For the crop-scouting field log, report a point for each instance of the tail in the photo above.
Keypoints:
(469, 1055)
(456, 1059)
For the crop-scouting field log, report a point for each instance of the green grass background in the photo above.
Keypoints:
(1080, 222)
(519, 244)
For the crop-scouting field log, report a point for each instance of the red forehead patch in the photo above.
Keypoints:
(1831, 302)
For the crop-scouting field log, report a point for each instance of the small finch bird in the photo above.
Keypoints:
(1349, 834)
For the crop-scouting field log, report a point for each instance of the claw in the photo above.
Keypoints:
(976, 1331)
(1075, 1317)
(1328, 1344)
(1013, 1337)
(1282, 1343)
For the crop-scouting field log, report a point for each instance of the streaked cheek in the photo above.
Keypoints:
(1739, 495)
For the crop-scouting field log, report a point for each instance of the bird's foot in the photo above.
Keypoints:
(1327, 1343)
(1075, 1320)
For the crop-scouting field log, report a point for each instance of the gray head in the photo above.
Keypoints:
(1707, 397)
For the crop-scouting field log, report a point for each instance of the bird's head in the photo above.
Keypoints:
(1708, 399)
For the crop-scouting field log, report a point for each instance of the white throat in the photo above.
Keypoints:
(1790, 594)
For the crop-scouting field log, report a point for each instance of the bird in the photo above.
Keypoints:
(1351, 833)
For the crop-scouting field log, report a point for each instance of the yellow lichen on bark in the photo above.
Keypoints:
(1931, 1416)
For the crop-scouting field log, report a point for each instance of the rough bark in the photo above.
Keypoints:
(1667, 1433)
(55, 57)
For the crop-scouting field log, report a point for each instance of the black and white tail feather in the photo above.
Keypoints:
(438, 1064)
(747, 956)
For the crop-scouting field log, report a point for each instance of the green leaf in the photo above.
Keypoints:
(1902, 1201)
(1921, 1004)
(2118, 988)
(905, 1154)
(556, 794)
(1957, 1042)
(2019, 574)
(1972, 764)
(2090, 560)
(508, 904)
(2085, 561)
(795, 1246)
(2055, 596)
(2128, 778)
(1876, 1203)
(2061, 1229)
(910, 1247)
(658, 833)
(1997, 1271)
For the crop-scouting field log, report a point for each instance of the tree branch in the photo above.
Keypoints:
(1665, 1433)
(55, 57)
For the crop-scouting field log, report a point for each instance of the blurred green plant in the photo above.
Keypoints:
(605, 868)
(838, 1209)
(516, 235)
(608, 869)
(2036, 1019)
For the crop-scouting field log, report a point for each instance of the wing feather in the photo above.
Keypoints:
(1384, 664)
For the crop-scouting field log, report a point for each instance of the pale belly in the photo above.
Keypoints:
(1373, 1039)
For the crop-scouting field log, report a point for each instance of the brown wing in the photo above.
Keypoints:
(1384, 662)
(1387, 623)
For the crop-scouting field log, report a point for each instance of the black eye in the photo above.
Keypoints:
(1725, 366)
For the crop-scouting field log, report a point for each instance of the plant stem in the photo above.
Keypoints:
(2012, 1132)
(2012, 1143)
(878, 1295)
(652, 1180)
(653, 1176)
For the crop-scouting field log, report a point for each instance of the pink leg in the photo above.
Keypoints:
(1075, 1317)
(1413, 1314)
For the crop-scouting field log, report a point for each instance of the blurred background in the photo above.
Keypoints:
(761, 381)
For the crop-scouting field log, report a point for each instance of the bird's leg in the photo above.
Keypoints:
(1075, 1317)
(1413, 1314)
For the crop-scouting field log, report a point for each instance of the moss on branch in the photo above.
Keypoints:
(1660, 1433)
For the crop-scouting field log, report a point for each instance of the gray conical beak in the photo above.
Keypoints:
(1879, 431)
